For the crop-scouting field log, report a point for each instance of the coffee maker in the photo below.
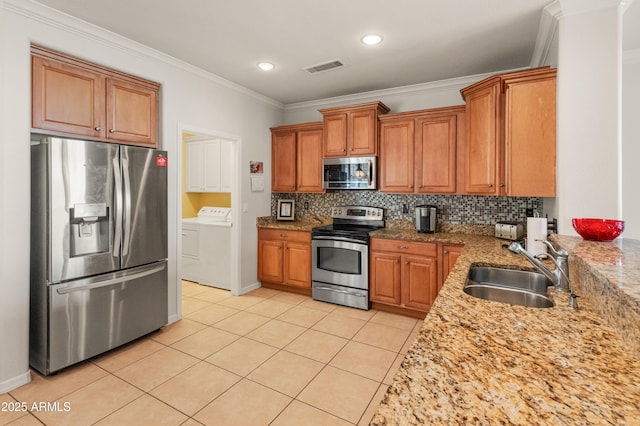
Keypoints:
(426, 218)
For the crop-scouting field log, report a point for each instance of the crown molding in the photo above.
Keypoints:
(575, 7)
(64, 22)
(547, 31)
(413, 89)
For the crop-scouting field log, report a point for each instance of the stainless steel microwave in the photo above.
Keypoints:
(349, 173)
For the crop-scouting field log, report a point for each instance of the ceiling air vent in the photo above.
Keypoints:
(324, 67)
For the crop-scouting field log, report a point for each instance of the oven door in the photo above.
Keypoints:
(339, 260)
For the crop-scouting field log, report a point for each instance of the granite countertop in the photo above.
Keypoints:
(482, 362)
(305, 223)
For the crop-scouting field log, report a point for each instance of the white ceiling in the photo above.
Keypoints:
(424, 40)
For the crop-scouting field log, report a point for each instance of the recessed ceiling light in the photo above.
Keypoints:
(371, 39)
(266, 66)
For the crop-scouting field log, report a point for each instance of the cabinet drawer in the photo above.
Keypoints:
(284, 235)
(401, 246)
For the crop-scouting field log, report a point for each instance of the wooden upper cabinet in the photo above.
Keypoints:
(72, 97)
(132, 112)
(511, 134)
(530, 133)
(283, 161)
(309, 160)
(296, 158)
(352, 130)
(419, 151)
(397, 146)
(483, 150)
(66, 98)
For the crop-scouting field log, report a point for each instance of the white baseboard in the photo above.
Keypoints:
(250, 287)
(15, 382)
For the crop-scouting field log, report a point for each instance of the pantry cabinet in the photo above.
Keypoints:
(419, 150)
(296, 158)
(208, 165)
(284, 259)
(403, 275)
(71, 97)
(352, 130)
(511, 134)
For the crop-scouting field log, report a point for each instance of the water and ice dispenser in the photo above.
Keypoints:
(89, 229)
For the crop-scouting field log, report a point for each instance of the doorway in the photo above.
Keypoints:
(221, 191)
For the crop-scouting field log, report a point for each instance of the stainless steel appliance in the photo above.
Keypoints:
(426, 218)
(98, 248)
(340, 256)
(349, 173)
(509, 230)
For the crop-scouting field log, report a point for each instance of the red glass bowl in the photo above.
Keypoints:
(598, 229)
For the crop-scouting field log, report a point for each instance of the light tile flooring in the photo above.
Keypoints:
(265, 358)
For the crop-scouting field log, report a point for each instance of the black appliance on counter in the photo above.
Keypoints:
(426, 218)
(340, 256)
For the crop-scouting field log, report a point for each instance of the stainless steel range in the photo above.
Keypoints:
(340, 256)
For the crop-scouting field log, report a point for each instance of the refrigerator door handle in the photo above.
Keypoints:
(110, 281)
(127, 205)
(118, 192)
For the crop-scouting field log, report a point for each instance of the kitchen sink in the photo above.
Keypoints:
(513, 286)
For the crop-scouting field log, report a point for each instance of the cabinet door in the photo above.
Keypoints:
(335, 135)
(384, 281)
(270, 261)
(419, 282)
(362, 133)
(283, 161)
(67, 99)
(450, 254)
(483, 141)
(132, 113)
(435, 158)
(297, 264)
(211, 167)
(309, 161)
(227, 163)
(195, 166)
(530, 136)
(397, 156)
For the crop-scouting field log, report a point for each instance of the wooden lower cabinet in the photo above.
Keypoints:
(284, 260)
(450, 253)
(403, 276)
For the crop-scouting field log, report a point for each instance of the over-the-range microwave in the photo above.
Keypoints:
(349, 173)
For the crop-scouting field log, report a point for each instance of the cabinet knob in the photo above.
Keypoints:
(406, 262)
(502, 185)
(343, 150)
(112, 130)
(446, 252)
(403, 247)
(98, 129)
(490, 185)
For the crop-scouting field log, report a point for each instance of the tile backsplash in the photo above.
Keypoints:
(452, 209)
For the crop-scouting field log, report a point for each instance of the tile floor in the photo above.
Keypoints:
(265, 358)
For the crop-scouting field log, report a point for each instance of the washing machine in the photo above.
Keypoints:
(206, 247)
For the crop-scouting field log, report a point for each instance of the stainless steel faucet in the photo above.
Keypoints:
(559, 276)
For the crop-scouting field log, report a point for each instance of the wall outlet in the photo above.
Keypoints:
(405, 208)
(306, 205)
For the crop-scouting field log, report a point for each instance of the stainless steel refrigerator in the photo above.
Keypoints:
(98, 248)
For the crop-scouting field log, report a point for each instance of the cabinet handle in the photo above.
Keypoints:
(112, 130)
(98, 128)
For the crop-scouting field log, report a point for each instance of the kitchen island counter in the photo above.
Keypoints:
(482, 362)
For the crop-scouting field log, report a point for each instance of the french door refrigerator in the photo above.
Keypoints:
(98, 248)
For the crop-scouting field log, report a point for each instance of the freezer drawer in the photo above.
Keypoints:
(91, 316)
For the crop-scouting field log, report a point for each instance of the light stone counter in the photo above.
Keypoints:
(482, 362)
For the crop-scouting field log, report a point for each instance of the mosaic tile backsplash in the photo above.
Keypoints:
(452, 209)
